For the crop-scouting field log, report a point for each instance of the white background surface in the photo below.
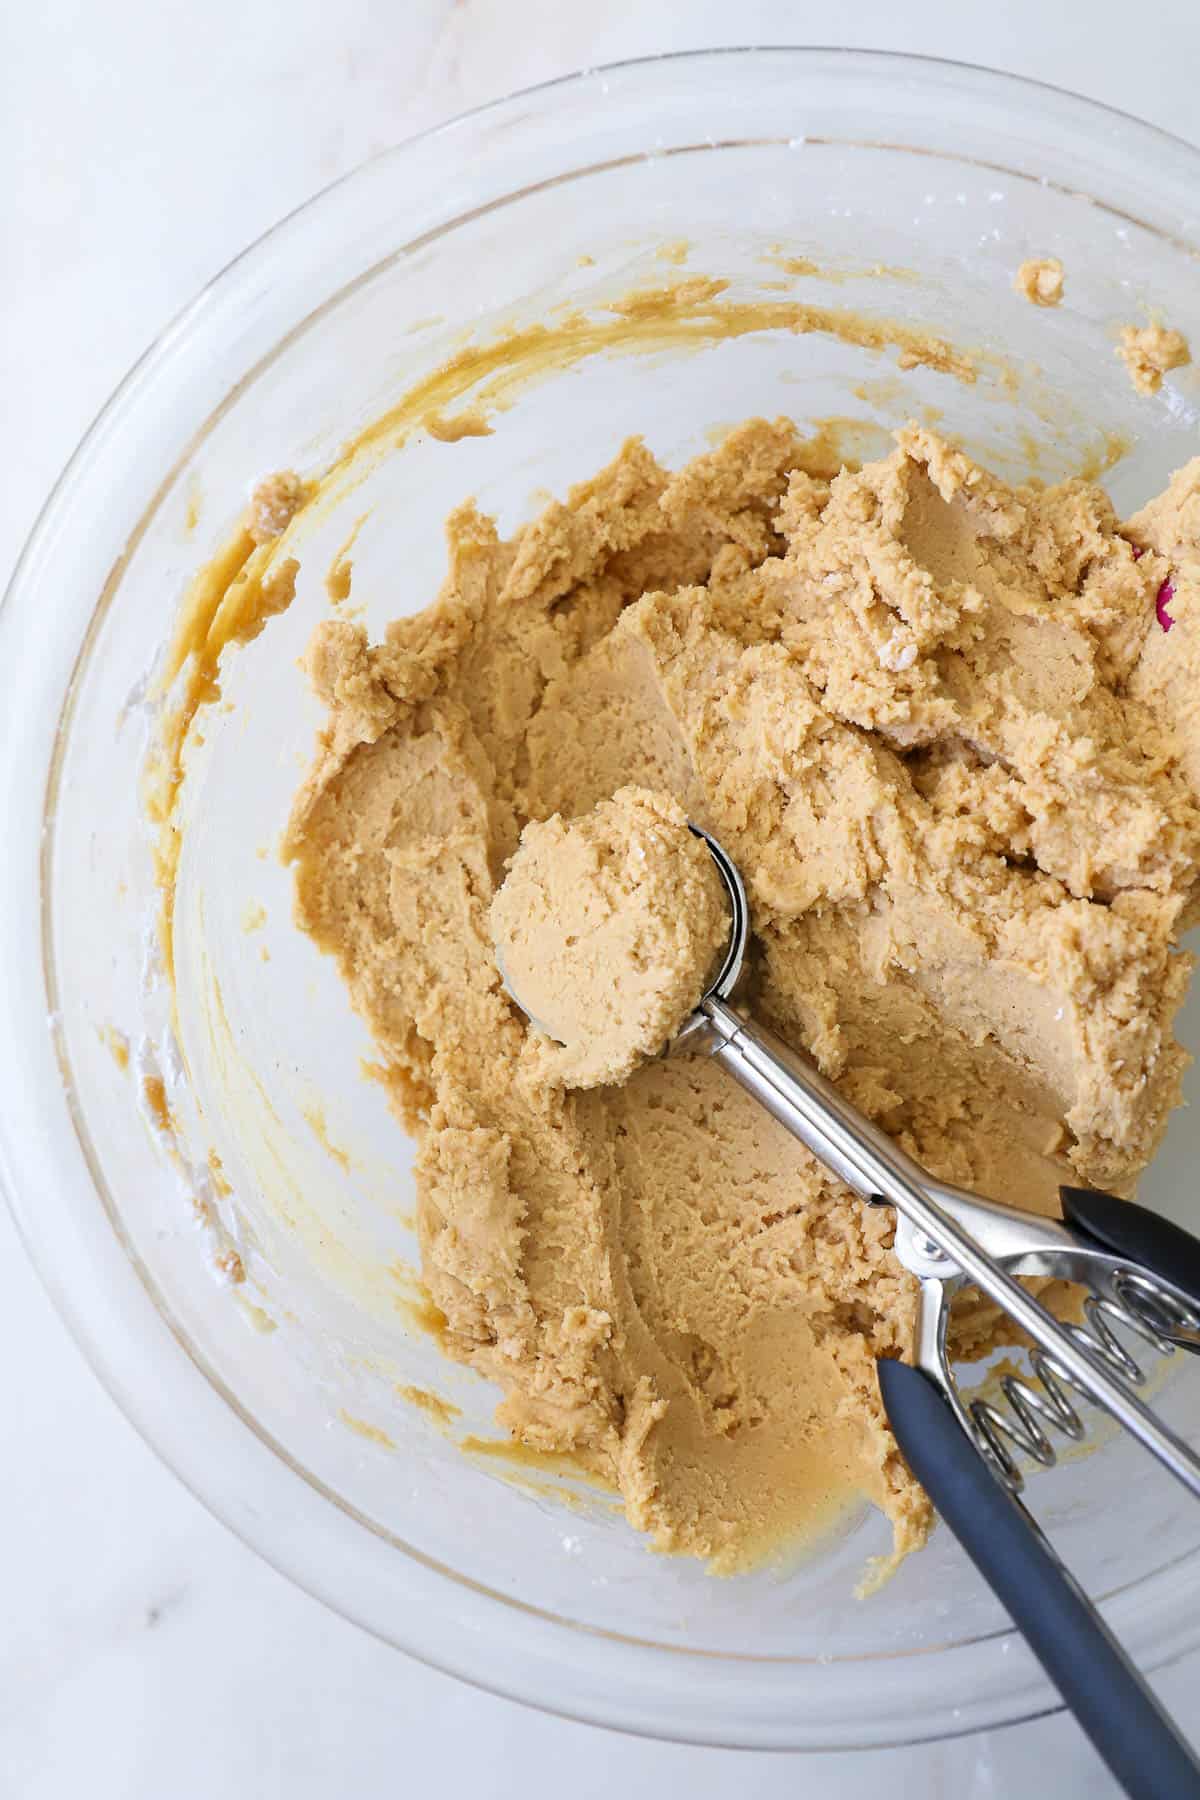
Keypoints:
(144, 1653)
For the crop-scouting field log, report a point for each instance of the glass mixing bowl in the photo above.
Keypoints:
(913, 189)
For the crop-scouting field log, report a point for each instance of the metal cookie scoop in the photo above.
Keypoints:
(1141, 1273)
(947, 1236)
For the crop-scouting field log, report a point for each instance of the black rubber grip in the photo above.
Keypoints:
(1120, 1715)
(1129, 1230)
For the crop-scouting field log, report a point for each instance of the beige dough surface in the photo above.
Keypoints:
(607, 928)
(938, 725)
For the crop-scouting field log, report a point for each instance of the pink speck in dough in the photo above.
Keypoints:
(1165, 595)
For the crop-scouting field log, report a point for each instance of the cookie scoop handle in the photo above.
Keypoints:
(1142, 1237)
(1129, 1729)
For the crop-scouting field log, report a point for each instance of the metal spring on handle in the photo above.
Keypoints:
(1142, 1308)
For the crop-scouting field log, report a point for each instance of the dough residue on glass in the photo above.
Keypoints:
(1149, 352)
(274, 502)
(1040, 279)
(935, 722)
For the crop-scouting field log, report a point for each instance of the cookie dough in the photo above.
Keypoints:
(275, 501)
(1040, 280)
(936, 723)
(607, 930)
(1149, 352)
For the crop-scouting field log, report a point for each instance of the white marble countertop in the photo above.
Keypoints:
(145, 1653)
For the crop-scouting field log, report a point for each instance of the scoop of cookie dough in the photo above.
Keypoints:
(607, 929)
